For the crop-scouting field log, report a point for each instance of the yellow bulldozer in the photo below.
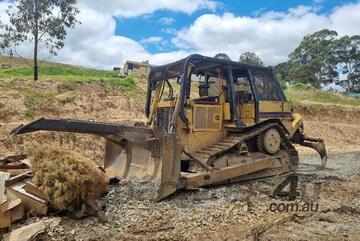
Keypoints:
(228, 122)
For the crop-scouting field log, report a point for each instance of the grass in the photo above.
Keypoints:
(69, 75)
(68, 99)
(56, 71)
(298, 92)
(31, 95)
(29, 113)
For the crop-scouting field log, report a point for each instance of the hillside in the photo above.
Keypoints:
(65, 91)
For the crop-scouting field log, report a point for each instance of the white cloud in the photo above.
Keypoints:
(135, 8)
(166, 21)
(272, 35)
(152, 40)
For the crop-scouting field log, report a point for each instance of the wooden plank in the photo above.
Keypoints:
(10, 212)
(30, 202)
(5, 219)
(16, 172)
(18, 178)
(31, 188)
(15, 158)
(13, 167)
(4, 176)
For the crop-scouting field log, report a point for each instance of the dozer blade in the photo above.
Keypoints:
(318, 145)
(135, 157)
(139, 153)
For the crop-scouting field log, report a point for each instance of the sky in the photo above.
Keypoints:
(164, 31)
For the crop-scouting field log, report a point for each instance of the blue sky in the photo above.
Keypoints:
(163, 31)
(149, 25)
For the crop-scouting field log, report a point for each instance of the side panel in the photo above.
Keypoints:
(272, 109)
(207, 117)
(195, 140)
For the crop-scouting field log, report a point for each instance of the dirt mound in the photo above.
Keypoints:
(329, 113)
(336, 135)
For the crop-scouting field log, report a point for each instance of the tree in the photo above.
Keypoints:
(314, 60)
(222, 56)
(348, 54)
(282, 73)
(39, 22)
(250, 58)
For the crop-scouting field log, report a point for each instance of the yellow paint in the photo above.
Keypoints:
(226, 111)
(207, 124)
(270, 106)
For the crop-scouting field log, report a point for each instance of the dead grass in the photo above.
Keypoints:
(65, 176)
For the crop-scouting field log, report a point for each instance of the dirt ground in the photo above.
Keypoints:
(232, 212)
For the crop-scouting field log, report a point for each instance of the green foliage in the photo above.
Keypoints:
(56, 71)
(348, 54)
(44, 21)
(2, 105)
(32, 96)
(314, 61)
(299, 92)
(302, 86)
(29, 113)
(126, 83)
(250, 58)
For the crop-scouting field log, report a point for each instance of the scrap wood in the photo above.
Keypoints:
(26, 233)
(34, 190)
(14, 165)
(31, 202)
(16, 172)
(15, 158)
(18, 178)
(4, 176)
(11, 211)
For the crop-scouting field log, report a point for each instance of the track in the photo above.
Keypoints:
(235, 142)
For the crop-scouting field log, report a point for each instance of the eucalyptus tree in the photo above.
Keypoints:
(38, 22)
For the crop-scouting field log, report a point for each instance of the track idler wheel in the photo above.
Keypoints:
(269, 141)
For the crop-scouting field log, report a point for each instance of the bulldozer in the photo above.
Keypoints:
(209, 121)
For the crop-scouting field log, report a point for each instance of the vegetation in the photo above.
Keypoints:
(348, 52)
(65, 73)
(40, 22)
(56, 71)
(29, 113)
(250, 58)
(320, 58)
(297, 92)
